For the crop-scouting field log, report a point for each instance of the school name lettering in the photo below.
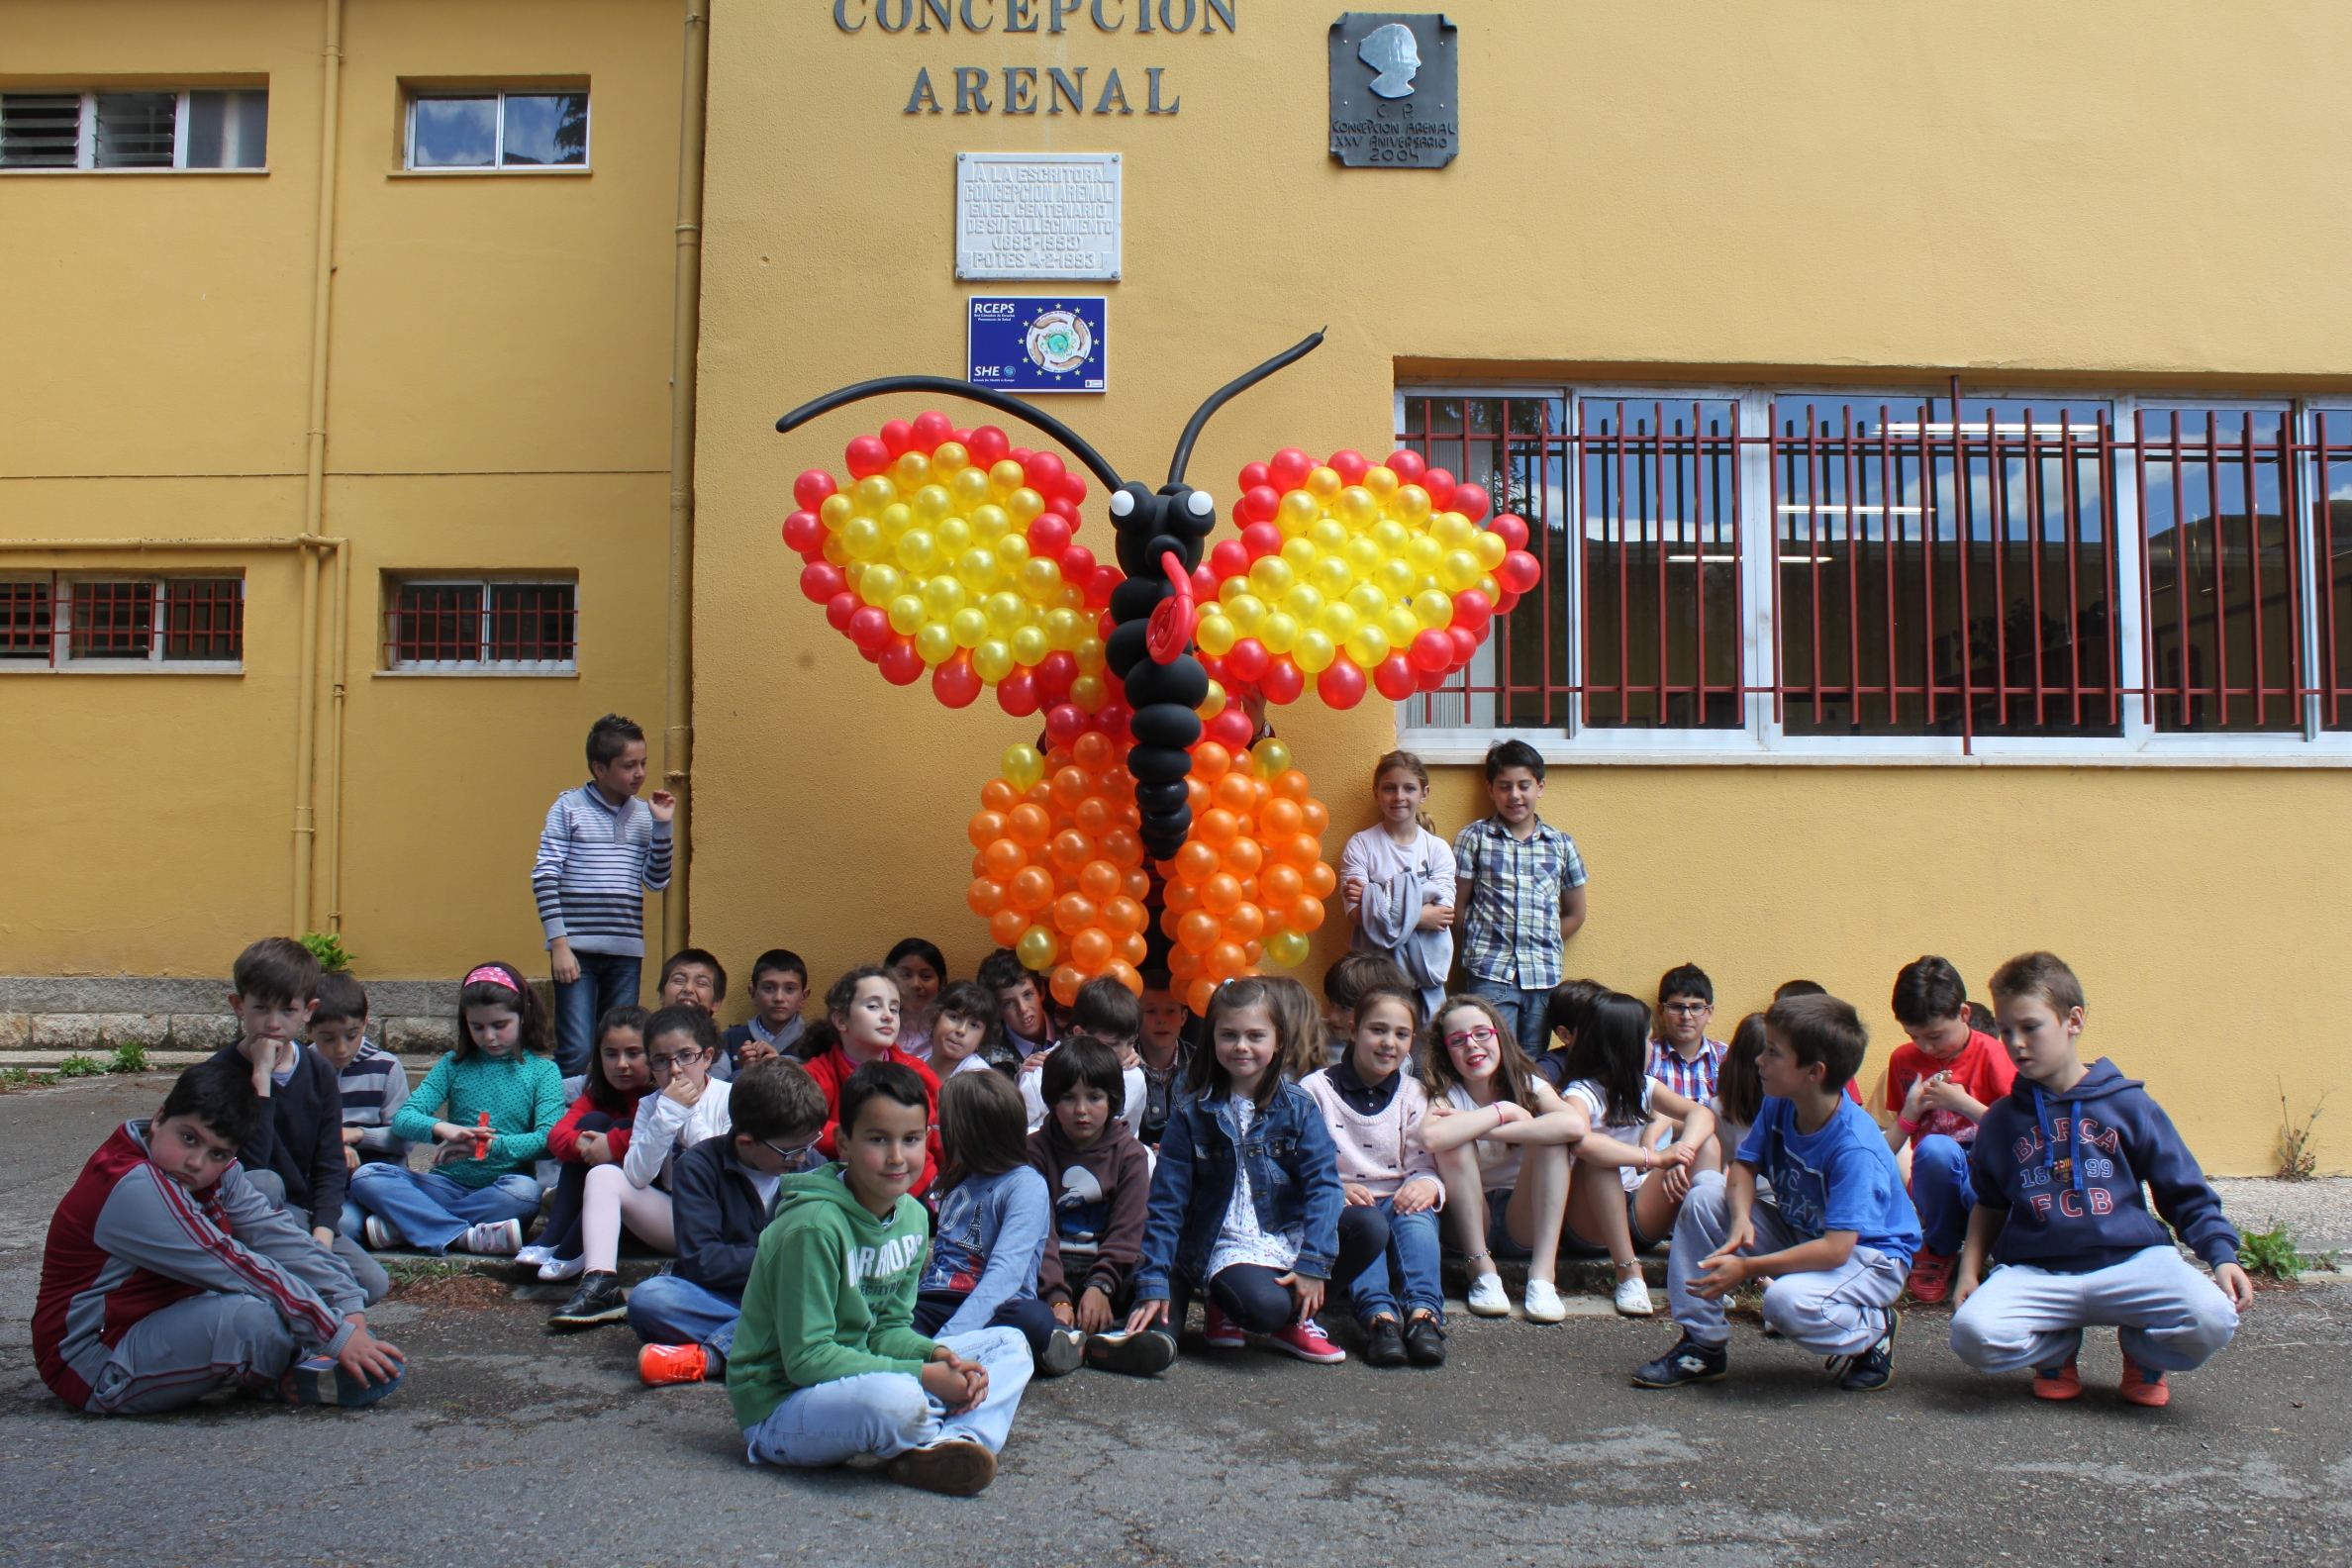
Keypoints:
(1030, 16)
(1029, 89)
(1022, 92)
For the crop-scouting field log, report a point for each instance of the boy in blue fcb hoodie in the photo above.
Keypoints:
(2057, 1166)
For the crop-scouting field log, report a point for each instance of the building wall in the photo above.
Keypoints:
(1808, 191)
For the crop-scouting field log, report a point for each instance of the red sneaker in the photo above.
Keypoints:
(662, 1365)
(1222, 1334)
(1306, 1341)
(1931, 1275)
(2144, 1384)
(2058, 1383)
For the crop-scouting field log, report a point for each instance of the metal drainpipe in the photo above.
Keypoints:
(314, 499)
(677, 748)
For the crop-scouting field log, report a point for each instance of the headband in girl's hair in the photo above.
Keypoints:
(496, 975)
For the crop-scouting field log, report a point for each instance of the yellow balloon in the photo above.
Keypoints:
(1089, 692)
(1452, 530)
(1422, 553)
(1038, 949)
(1356, 509)
(1297, 513)
(1396, 578)
(1369, 646)
(1332, 577)
(1303, 602)
(1023, 766)
(953, 535)
(1247, 612)
(1063, 630)
(1381, 481)
(969, 626)
(1328, 534)
(1006, 477)
(1300, 554)
(1313, 651)
(1269, 758)
(1432, 609)
(933, 504)
(907, 615)
(896, 519)
(879, 584)
(945, 595)
(1409, 505)
(1340, 620)
(1491, 588)
(990, 523)
(872, 493)
(1212, 703)
(951, 458)
(1024, 505)
(1489, 548)
(935, 642)
(1216, 635)
(911, 472)
(1323, 483)
(1232, 588)
(1002, 610)
(836, 551)
(992, 659)
(1456, 570)
(1400, 625)
(1279, 632)
(969, 486)
(1088, 654)
(862, 538)
(1041, 576)
(854, 573)
(836, 513)
(977, 567)
(1271, 576)
(1366, 600)
(916, 549)
(1285, 948)
(1389, 534)
(1030, 647)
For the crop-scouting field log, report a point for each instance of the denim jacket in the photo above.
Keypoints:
(1294, 1180)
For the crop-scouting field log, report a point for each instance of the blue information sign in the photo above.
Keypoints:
(1037, 343)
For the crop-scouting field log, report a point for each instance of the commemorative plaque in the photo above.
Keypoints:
(1036, 216)
(1396, 99)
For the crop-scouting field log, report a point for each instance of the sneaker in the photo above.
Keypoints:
(1222, 1334)
(954, 1466)
(381, 1235)
(1145, 1354)
(1065, 1349)
(1633, 1298)
(2144, 1384)
(1688, 1362)
(499, 1238)
(662, 1365)
(1487, 1296)
(1931, 1275)
(1874, 1368)
(321, 1380)
(534, 1256)
(2061, 1382)
(597, 1301)
(555, 1268)
(1425, 1342)
(1384, 1343)
(1543, 1302)
(1306, 1341)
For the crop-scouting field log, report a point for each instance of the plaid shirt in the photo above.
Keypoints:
(1512, 929)
(1693, 1080)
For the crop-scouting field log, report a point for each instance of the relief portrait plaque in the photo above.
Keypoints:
(1395, 100)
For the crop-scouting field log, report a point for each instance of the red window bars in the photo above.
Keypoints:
(1926, 578)
(202, 620)
(25, 629)
(483, 624)
(113, 620)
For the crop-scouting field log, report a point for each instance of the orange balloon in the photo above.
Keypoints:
(1304, 852)
(1038, 794)
(1199, 995)
(1066, 981)
(1211, 760)
(1253, 951)
(1320, 879)
(1056, 760)
(1317, 817)
(1121, 915)
(1195, 794)
(1130, 815)
(1224, 960)
(1292, 784)
(1138, 885)
(985, 828)
(1118, 782)
(1307, 913)
(1197, 931)
(1133, 948)
(1032, 888)
(1234, 794)
(1265, 791)
(1120, 846)
(1245, 922)
(1183, 964)
(1280, 820)
(1006, 926)
(1243, 857)
(1073, 913)
(998, 796)
(1177, 897)
(1072, 849)
(1028, 825)
(1125, 973)
(1280, 885)
(1250, 890)
(1093, 750)
(1095, 817)
(1069, 788)
(1099, 880)
(1221, 893)
(1090, 949)
(1003, 858)
(1167, 924)
(1215, 828)
(984, 896)
(1196, 862)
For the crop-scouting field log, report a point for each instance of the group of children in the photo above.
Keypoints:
(885, 1219)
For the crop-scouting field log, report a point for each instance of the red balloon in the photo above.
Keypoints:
(1289, 468)
(955, 682)
(1440, 485)
(931, 428)
(1064, 508)
(1513, 529)
(1252, 475)
(1204, 581)
(1431, 650)
(1230, 558)
(1259, 503)
(1246, 660)
(1230, 729)
(1065, 722)
(1429, 680)
(1021, 454)
(1100, 586)
(1073, 488)
(1465, 645)
(803, 532)
(1017, 693)
(821, 580)
(839, 607)
(1113, 719)
(1055, 671)
(1471, 501)
(1502, 605)
(1342, 684)
(1350, 466)
(1282, 681)
(1211, 666)
(897, 437)
(1046, 470)
(1050, 536)
(901, 664)
(1395, 677)
(961, 437)
(1077, 564)
(1408, 466)
(1472, 608)
(811, 489)
(988, 445)
(1261, 538)
(1518, 572)
(869, 628)
(865, 456)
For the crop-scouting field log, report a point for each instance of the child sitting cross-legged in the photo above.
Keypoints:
(2058, 1167)
(1098, 1179)
(594, 1131)
(825, 1363)
(373, 1082)
(1375, 1112)
(722, 1192)
(1836, 1236)
(1939, 1086)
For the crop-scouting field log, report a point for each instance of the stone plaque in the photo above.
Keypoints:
(1396, 102)
(1034, 216)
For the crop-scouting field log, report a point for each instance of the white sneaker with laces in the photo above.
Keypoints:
(1544, 1302)
(381, 1235)
(496, 1238)
(556, 1268)
(1487, 1296)
(1633, 1298)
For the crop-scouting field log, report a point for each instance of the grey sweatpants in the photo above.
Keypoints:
(179, 1354)
(351, 1255)
(2172, 1318)
(1831, 1312)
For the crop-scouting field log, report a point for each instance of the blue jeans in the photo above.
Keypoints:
(885, 1413)
(607, 981)
(431, 1210)
(1412, 1252)
(1032, 1317)
(1522, 1010)
(1940, 1190)
(668, 1310)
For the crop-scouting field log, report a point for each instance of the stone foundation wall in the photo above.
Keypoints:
(100, 1012)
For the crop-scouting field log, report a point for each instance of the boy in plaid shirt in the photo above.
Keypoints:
(1681, 1055)
(1520, 891)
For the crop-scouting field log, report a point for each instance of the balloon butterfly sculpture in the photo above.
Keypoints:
(952, 551)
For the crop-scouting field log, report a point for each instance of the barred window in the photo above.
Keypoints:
(58, 621)
(201, 129)
(481, 625)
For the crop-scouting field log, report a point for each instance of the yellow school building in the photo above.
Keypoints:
(1931, 422)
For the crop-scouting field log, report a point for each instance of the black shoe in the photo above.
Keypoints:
(1688, 1362)
(1874, 1368)
(597, 1301)
(1384, 1342)
(1425, 1342)
(1064, 1349)
(1145, 1354)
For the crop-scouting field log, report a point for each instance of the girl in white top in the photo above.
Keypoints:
(1501, 1137)
(1401, 846)
(1623, 1196)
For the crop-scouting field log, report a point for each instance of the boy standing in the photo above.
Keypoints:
(2057, 1165)
(1520, 891)
(1938, 1086)
(166, 1274)
(1836, 1236)
(826, 1365)
(722, 1194)
(780, 988)
(601, 852)
(1681, 1055)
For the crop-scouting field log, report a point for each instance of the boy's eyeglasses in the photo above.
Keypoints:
(1690, 1009)
(1481, 1036)
(794, 1158)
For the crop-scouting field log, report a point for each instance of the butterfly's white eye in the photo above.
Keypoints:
(1201, 504)
(1122, 503)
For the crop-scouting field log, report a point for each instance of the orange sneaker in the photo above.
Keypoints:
(2060, 1382)
(663, 1365)
(2144, 1384)
(1931, 1275)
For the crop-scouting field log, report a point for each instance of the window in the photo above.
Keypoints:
(56, 621)
(497, 129)
(201, 129)
(479, 626)
(2035, 576)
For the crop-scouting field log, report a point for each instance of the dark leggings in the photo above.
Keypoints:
(1247, 1293)
(1032, 1317)
(563, 1231)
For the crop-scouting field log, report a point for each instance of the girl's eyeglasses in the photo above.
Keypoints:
(1482, 1034)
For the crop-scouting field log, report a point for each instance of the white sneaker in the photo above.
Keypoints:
(499, 1238)
(1543, 1302)
(556, 1268)
(381, 1235)
(1487, 1296)
(1633, 1298)
(534, 1256)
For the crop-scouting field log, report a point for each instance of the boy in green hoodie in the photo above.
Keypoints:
(824, 1365)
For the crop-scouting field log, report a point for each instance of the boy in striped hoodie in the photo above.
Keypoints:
(600, 853)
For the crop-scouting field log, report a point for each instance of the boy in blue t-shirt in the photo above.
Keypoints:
(1835, 1237)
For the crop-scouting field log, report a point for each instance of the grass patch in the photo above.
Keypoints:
(129, 1057)
(13, 1079)
(2276, 1255)
(79, 1066)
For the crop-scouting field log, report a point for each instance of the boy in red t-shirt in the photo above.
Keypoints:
(1939, 1087)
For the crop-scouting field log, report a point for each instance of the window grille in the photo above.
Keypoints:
(481, 625)
(59, 621)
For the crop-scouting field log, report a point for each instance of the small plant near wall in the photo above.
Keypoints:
(2296, 1159)
(329, 949)
(79, 1066)
(129, 1057)
(2277, 1255)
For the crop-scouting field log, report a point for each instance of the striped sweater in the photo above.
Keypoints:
(523, 1095)
(375, 1088)
(596, 862)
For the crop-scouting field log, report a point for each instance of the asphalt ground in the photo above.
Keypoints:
(507, 1447)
